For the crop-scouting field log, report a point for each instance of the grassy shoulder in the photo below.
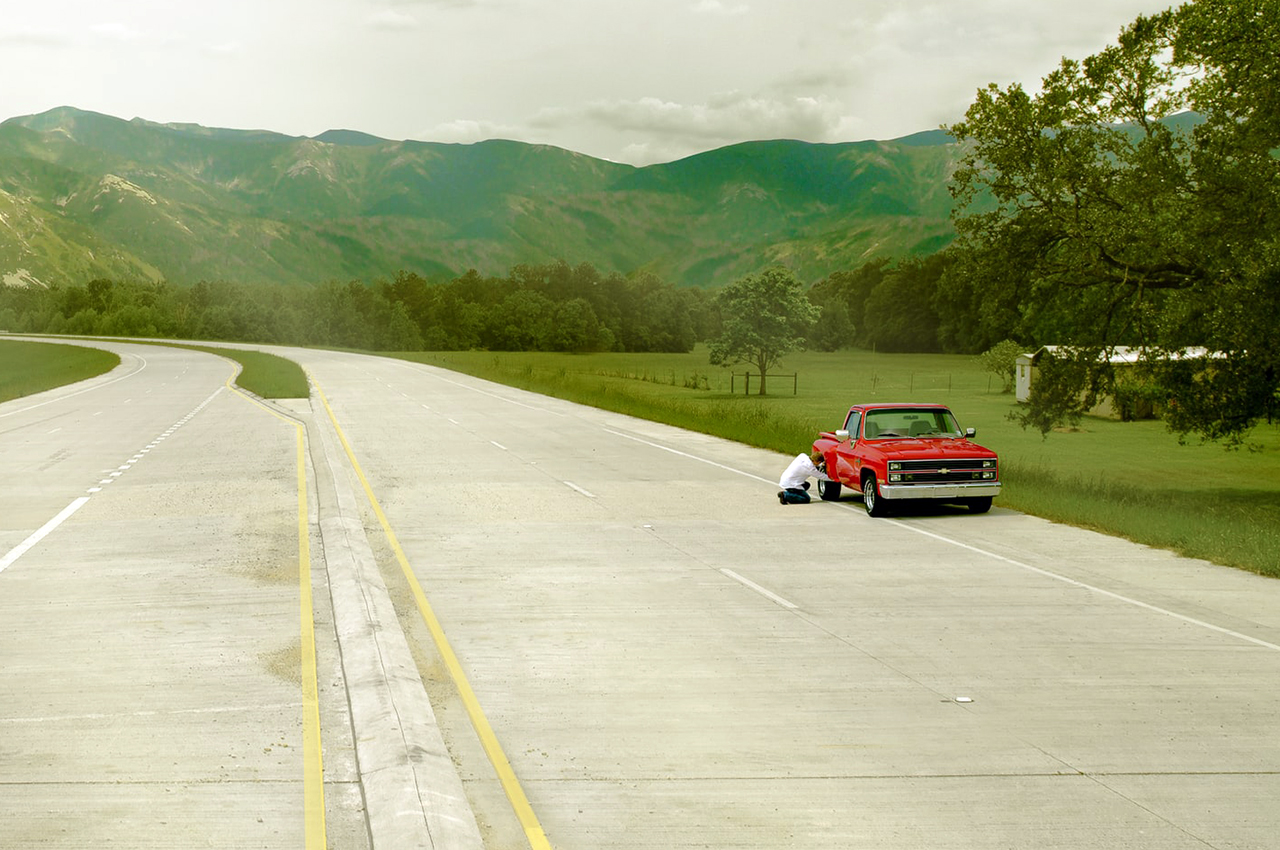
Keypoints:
(27, 368)
(265, 375)
(32, 367)
(1132, 479)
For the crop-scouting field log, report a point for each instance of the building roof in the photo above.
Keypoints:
(1123, 355)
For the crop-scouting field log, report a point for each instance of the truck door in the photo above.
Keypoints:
(845, 471)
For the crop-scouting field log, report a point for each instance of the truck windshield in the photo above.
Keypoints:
(905, 422)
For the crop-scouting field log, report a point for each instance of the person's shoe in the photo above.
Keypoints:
(782, 499)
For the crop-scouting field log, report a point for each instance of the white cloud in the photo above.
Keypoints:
(729, 115)
(115, 31)
(228, 48)
(34, 38)
(715, 7)
(628, 81)
(651, 152)
(650, 129)
(438, 4)
(390, 19)
(467, 131)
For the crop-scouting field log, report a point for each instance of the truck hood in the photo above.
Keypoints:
(929, 449)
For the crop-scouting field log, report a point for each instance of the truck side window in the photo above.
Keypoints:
(851, 424)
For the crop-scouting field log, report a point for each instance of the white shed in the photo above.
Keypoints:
(1120, 355)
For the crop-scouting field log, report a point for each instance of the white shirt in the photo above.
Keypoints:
(800, 469)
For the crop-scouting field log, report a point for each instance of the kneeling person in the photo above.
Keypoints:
(794, 481)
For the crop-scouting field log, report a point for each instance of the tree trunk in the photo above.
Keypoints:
(762, 366)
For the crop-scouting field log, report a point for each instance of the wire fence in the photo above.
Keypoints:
(747, 376)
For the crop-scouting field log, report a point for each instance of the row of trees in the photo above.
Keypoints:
(891, 307)
(553, 307)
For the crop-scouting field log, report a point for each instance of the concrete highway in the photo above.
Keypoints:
(543, 625)
(150, 632)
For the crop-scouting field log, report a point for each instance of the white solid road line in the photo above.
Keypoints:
(691, 457)
(39, 534)
(1074, 583)
(1046, 573)
(433, 371)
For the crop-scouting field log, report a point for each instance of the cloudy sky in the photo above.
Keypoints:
(639, 81)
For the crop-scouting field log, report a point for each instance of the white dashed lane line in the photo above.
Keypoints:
(768, 594)
(18, 551)
(575, 487)
(907, 526)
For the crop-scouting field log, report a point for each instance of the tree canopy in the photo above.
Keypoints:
(1135, 200)
(765, 317)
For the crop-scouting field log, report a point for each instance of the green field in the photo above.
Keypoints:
(32, 367)
(1133, 479)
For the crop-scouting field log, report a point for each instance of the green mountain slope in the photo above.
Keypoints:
(84, 195)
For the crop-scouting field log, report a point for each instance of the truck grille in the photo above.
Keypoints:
(949, 471)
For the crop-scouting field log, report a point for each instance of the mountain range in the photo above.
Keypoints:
(85, 195)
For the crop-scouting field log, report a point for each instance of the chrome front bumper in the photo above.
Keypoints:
(939, 491)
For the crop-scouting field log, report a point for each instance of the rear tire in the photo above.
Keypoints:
(829, 491)
(979, 504)
(871, 498)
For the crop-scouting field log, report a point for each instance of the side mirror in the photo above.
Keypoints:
(842, 435)
(970, 433)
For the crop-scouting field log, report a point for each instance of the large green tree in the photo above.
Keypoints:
(1135, 200)
(764, 317)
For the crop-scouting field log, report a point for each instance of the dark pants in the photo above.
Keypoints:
(793, 496)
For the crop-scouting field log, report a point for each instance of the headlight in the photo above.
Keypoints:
(988, 475)
(895, 465)
(894, 476)
(988, 464)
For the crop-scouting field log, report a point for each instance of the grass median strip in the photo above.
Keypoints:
(265, 375)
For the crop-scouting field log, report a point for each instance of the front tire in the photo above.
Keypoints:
(871, 498)
(829, 491)
(979, 504)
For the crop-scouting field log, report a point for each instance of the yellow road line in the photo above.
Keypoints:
(510, 784)
(312, 749)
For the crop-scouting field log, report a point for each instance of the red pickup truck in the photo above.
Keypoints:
(891, 452)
